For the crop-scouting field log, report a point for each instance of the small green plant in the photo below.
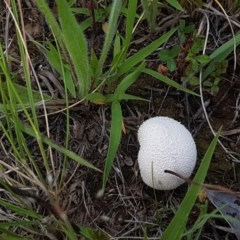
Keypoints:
(196, 61)
(185, 60)
(184, 30)
(214, 78)
(169, 57)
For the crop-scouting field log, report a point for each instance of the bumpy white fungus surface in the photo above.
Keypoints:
(165, 144)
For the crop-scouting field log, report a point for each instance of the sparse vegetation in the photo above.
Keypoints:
(76, 80)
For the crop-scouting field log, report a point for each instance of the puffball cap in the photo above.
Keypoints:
(165, 144)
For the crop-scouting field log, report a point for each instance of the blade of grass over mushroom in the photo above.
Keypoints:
(143, 53)
(114, 140)
(168, 81)
(28, 130)
(178, 224)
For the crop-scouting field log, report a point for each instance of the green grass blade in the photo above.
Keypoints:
(221, 53)
(143, 53)
(8, 235)
(21, 91)
(168, 81)
(19, 209)
(226, 49)
(130, 20)
(125, 96)
(111, 32)
(76, 45)
(12, 96)
(114, 140)
(18, 224)
(120, 56)
(49, 142)
(175, 4)
(129, 80)
(53, 55)
(177, 226)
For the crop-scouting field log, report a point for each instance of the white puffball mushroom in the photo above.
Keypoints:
(165, 144)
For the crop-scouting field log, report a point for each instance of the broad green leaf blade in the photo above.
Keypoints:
(143, 53)
(76, 45)
(114, 140)
(168, 81)
(28, 130)
(177, 226)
